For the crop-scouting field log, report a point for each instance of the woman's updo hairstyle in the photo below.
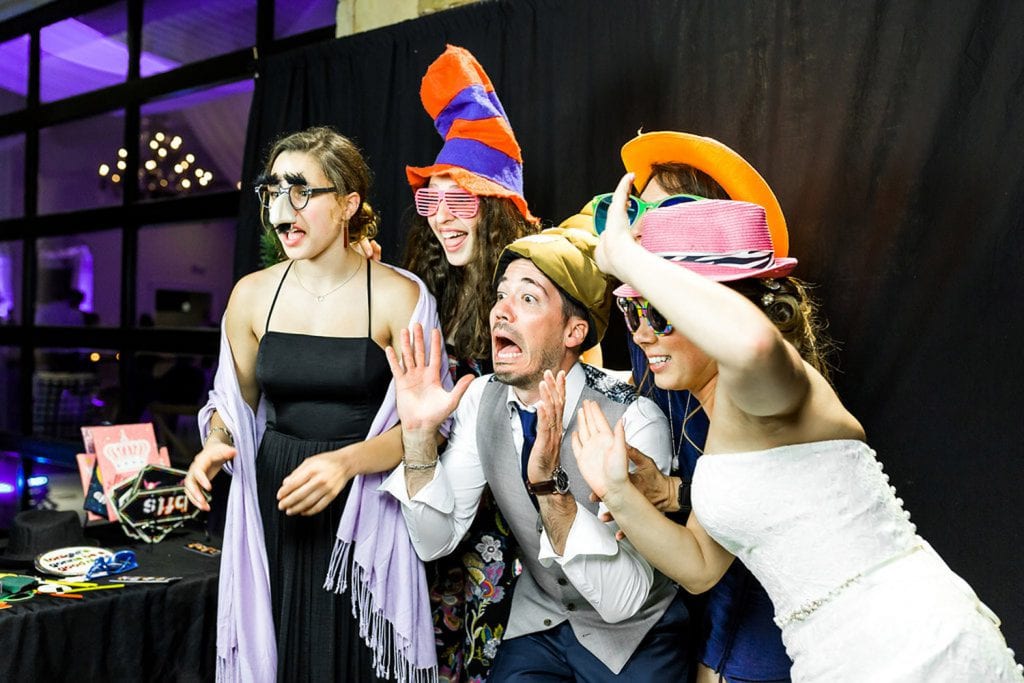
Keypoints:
(343, 165)
(791, 309)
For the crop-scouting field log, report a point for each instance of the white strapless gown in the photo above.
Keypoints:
(859, 595)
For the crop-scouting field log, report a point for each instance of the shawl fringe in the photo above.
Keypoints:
(376, 631)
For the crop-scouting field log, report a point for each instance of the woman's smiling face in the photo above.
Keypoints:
(456, 235)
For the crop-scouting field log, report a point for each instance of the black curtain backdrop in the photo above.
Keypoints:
(891, 132)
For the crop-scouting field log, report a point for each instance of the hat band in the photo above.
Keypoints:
(753, 259)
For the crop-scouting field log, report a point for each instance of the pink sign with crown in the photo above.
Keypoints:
(121, 452)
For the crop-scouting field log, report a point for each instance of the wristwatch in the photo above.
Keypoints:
(683, 498)
(558, 483)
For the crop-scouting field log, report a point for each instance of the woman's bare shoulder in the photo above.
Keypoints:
(394, 284)
(254, 291)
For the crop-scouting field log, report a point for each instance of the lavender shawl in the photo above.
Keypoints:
(389, 591)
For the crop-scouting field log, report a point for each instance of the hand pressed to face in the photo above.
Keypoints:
(545, 453)
(600, 452)
(423, 403)
(617, 240)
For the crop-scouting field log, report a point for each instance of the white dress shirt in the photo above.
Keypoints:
(610, 574)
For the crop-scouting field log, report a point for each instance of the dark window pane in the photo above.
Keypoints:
(185, 273)
(193, 142)
(81, 164)
(298, 16)
(13, 74)
(10, 282)
(10, 383)
(72, 388)
(83, 53)
(176, 33)
(79, 279)
(12, 176)
(170, 390)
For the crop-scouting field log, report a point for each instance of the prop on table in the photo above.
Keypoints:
(149, 579)
(202, 549)
(153, 503)
(71, 561)
(16, 587)
(114, 454)
(122, 561)
(37, 531)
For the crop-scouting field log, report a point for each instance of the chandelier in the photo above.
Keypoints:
(166, 167)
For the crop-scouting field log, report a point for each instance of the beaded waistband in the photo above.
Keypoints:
(810, 607)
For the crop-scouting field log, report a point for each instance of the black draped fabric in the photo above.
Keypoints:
(891, 132)
(155, 632)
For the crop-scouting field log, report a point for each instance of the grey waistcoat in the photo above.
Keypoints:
(544, 597)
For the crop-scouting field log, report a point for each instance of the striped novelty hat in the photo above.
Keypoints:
(722, 240)
(480, 151)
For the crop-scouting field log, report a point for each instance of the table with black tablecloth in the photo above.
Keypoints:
(142, 632)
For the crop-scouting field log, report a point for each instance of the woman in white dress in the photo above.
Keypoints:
(792, 489)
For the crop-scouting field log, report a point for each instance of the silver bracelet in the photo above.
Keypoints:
(231, 439)
(419, 467)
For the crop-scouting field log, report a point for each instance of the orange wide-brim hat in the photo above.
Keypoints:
(734, 173)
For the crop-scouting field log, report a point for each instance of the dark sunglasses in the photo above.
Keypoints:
(635, 309)
(635, 207)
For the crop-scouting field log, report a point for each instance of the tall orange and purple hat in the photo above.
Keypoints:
(480, 151)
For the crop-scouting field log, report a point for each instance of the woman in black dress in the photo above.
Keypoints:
(306, 339)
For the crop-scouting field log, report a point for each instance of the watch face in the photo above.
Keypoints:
(561, 480)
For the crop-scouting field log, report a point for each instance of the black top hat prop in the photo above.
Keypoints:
(37, 531)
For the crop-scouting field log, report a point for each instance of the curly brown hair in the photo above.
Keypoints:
(343, 164)
(465, 295)
(788, 304)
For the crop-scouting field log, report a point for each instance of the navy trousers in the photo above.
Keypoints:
(556, 656)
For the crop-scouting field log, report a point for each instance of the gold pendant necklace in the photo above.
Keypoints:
(320, 297)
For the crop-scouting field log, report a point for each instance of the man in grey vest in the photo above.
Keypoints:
(587, 607)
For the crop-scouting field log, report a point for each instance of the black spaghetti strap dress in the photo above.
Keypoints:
(322, 394)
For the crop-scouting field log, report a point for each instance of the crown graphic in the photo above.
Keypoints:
(127, 455)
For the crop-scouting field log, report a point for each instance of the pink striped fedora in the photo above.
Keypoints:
(721, 239)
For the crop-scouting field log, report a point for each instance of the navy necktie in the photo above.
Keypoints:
(529, 421)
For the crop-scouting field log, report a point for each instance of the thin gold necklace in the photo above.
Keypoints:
(320, 297)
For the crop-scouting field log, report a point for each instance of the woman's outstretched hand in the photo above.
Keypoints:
(601, 453)
(205, 466)
(617, 240)
(423, 403)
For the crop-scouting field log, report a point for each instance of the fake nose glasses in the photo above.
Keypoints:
(282, 214)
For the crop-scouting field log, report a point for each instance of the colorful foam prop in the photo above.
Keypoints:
(480, 151)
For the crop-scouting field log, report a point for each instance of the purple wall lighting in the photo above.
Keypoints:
(292, 17)
(12, 480)
(12, 176)
(88, 53)
(13, 74)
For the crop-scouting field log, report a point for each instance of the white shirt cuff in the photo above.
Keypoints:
(587, 536)
(436, 494)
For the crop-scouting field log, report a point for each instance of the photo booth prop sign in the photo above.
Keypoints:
(113, 455)
(153, 503)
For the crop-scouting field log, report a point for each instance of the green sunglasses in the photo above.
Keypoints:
(635, 207)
